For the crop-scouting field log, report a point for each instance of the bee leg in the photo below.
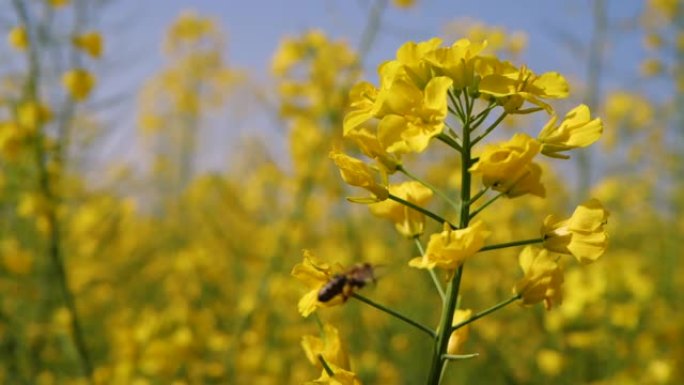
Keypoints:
(347, 291)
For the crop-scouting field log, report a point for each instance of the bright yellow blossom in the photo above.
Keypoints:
(18, 38)
(450, 248)
(59, 3)
(90, 43)
(508, 167)
(314, 275)
(404, 3)
(583, 235)
(414, 116)
(576, 130)
(340, 377)
(459, 337)
(542, 278)
(78, 83)
(370, 145)
(31, 115)
(357, 173)
(513, 86)
(457, 62)
(407, 221)
(329, 345)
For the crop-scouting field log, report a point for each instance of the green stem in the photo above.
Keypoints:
(453, 288)
(489, 202)
(457, 105)
(393, 313)
(428, 185)
(486, 312)
(490, 128)
(370, 32)
(512, 244)
(433, 275)
(482, 116)
(456, 357)
(421, 210)
(449, 141)
(477, 196)
(326, 367)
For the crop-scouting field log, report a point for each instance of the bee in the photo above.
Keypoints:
(344, 284)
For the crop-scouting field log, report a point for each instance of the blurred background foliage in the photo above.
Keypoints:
(156, 272)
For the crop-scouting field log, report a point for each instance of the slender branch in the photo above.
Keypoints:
(422, 210)
(477, 196)
(370, 32)
(449, 141)
(490, 128)
(456, 357)
(393, 313)
(435, 280)
(479, 118)
(457, 105)
(489, 202)
(326, 367)
(486, 312)
(428, 185)
(512, 244)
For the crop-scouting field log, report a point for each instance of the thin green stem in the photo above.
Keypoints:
(449, 141)
(453, 288)
(479, 118)
(326, 367)
(395, 314)
(435, 280)
(489, 202)
(428, 185)
(490, 128)
(421, 210)
(477, 196)
(456, 103)
(370, 32)
(457, 357)
(512, 244)
(486, 312)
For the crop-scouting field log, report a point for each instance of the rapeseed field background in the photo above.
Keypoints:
(446, 214)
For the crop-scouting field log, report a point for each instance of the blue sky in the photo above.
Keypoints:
(255, 28)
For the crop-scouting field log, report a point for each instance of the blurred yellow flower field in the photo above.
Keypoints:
(450, 212)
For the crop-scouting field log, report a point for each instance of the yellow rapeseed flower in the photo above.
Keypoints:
(407, 221)
(18, 38)
(314, 275)
(450, 248)
(459, 337)
(513, 86)
(583, 235)
(357, 173)
(508, 167)
(576, 130)
(370, 145)
(59, 3)
(32, 114)
(404, 3)
(457, 62)
(542, 278)
(329, 345)
(90, 43)
(79, 83)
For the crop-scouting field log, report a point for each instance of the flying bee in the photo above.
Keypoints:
(344, 284)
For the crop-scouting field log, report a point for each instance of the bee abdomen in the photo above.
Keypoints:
(332, 288)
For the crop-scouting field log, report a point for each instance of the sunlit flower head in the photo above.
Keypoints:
(583, 235)
(576, 130)
(314, 275)
(508, 167)
(329, 345)
(450, 248)
(90, 43)
(356, 173)
(78, 83)
(18, 38)
(542, 278)
(407, 221)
